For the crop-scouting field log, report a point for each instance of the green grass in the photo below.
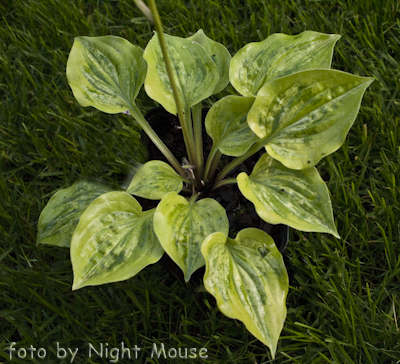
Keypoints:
(344, 298)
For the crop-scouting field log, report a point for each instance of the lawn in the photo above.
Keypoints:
(344, 297)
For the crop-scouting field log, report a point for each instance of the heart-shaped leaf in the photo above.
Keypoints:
(154, 179)
(60, 216)
(298, 198)
(277, 56)
(248, 278)
(113, 241)
(181, 226)
(219, 54)
(195, 73)
(105, 72)
(306, 116)
(227, 126)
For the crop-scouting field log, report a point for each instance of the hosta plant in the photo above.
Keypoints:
(289, 103)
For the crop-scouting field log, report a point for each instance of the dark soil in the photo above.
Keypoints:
(240, 211)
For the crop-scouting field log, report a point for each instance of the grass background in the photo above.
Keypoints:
(344, 298)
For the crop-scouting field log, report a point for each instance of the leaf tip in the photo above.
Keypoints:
(273, 352)
(334, 232)
(77, 284)
(369, 80)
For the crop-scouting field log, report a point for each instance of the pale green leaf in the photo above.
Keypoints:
(306, 116)
(60, 216)
(194, 72)
(113, 241)
(298, 198)
(219, 54)
(227, 126)
(105, 72)
(248, 278)
(154, 179)
(277, 56)
(181, 226)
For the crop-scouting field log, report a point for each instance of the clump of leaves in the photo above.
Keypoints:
(292, 104)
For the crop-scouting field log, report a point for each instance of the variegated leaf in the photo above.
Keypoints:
(113, 241)
(306, 116)
(227, 126)
(105, 72)
(195, 73)
(60, 216)
(248, 278)
(154, 179)
(298, 198)
(219, 54)
(181, 226)
(277, 56)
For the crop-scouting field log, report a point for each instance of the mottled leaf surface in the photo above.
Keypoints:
(298, 198)
(306, 116)
(248, 278)
(195, 73)
(60, 216)
(155, 179)
(226, 124)
(220, 56)
(113, 241)
(181, 226)
(105, 72)
(277, 56)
